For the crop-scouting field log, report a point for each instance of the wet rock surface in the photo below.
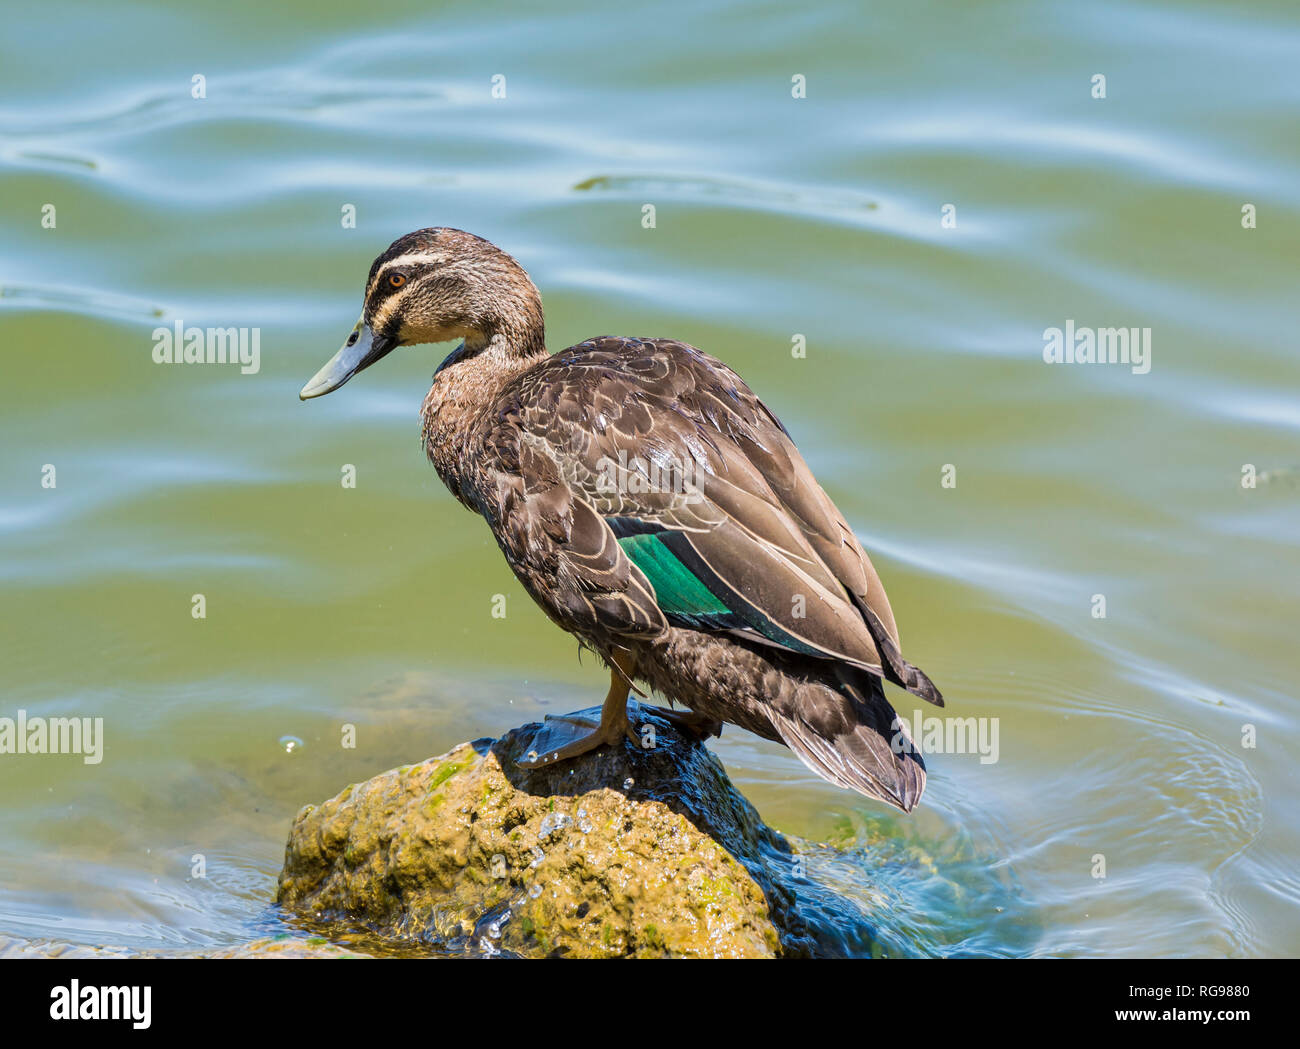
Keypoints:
(287, 947)
(626, 851)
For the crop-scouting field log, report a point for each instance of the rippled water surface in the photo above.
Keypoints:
(1119, 737)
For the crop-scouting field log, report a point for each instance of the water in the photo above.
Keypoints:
(1119, 737)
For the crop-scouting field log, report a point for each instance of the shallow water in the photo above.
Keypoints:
(1119, 736)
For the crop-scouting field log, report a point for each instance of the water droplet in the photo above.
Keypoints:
(290, 743)
(534, 890)
(627, 783)
(552, 823)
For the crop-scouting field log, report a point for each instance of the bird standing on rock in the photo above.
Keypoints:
(654, 507)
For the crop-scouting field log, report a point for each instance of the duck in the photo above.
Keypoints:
(656, 509)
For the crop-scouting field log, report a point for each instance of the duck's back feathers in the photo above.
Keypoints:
(706, 502)
(638, 485)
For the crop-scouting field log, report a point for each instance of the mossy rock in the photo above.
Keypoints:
(625, 852)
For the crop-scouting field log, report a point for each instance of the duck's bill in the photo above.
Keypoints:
(362, 349)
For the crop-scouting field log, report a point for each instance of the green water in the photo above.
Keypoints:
(775, 217)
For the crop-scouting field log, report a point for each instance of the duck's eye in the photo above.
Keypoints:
(397, 280)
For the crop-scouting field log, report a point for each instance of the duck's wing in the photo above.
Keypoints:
(556, 542)
(667, 492)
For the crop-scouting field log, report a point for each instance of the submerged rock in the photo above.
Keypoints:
(622, 852)
(286, 947)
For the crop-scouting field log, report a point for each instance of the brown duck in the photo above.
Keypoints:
(653, 506)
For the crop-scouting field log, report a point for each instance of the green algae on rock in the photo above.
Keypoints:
(626, 852)
(287, 947)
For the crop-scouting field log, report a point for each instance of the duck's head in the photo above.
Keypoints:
(436, 285)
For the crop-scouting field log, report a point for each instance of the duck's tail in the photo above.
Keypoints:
(849, 734)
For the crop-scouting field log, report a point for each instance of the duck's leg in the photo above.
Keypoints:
(570, 735)
(690, 723)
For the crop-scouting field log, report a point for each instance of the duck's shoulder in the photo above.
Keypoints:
(639, 361)
(655, 374)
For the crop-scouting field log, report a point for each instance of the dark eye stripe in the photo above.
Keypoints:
(409, 274)
(385, 286)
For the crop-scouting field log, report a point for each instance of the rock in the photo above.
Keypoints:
(286, 947)
(622, 852)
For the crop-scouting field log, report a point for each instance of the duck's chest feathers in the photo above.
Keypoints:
(457, 415)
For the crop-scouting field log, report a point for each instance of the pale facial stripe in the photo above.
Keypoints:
(388, 307)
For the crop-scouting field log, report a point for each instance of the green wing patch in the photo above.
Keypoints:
(677, 591)
(679, 576)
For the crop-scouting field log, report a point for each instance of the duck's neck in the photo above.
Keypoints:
(465, 386)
